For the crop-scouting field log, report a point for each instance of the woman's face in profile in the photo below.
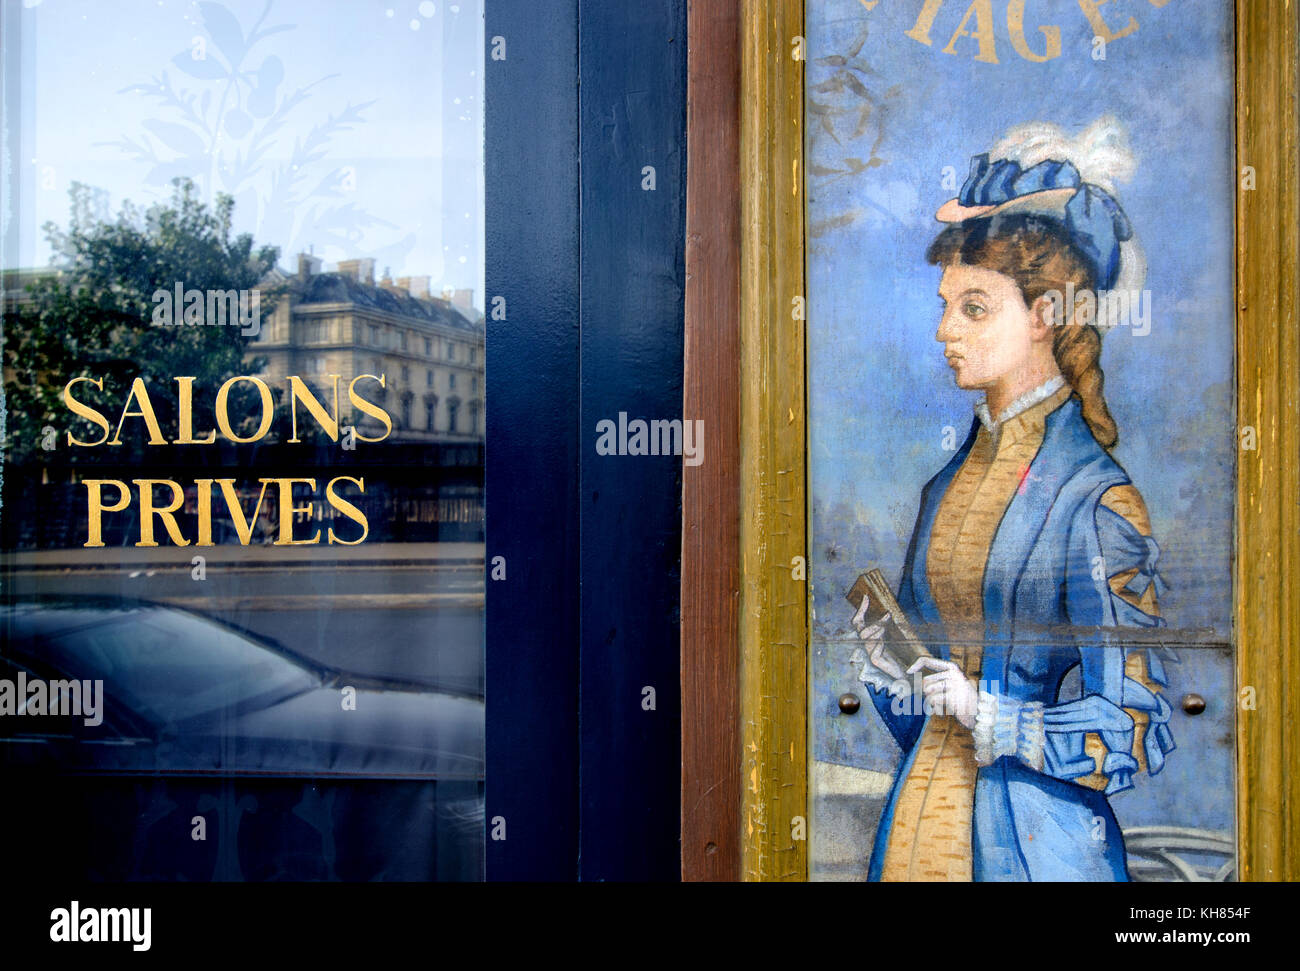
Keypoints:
(987, 331)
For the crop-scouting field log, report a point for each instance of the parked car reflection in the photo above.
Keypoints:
(296, 770)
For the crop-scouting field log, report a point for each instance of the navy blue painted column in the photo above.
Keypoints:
(633, 69)
(531, 155)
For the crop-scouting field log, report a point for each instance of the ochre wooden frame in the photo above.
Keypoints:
(773, 446)
(770, 794)
(1268, 478)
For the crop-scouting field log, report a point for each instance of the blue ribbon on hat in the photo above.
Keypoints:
(1093, 218)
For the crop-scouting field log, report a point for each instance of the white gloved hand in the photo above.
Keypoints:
(947, 690)
(878, 669)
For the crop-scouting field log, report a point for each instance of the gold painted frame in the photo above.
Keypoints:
(773, 624)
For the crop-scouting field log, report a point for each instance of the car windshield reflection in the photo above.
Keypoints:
(169, 666)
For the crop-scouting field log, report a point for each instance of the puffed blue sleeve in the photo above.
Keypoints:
(901, 713)
(1118, 726)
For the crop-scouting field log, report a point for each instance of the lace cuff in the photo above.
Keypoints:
(873, 677)
(1004, 726)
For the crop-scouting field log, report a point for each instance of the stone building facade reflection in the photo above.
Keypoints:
(429, 348)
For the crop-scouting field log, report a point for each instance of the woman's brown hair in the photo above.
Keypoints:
(1038, 255)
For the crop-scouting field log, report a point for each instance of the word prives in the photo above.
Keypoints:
(149, 509)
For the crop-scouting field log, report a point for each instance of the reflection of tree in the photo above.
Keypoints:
(95, 317)
(221, 130)
(847, 118)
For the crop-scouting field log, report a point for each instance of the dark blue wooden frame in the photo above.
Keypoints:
(531, 173)
(633, 120)
(584, 775)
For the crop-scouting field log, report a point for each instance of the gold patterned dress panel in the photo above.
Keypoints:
(930, 839)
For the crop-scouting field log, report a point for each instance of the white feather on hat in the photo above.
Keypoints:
(1102, 155)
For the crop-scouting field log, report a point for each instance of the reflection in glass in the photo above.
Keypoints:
(237, 487)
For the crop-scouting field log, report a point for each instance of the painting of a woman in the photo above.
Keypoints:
(1032, 551)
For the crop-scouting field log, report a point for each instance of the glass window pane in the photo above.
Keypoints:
(234, 249)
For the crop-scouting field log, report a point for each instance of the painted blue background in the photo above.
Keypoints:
(880, 395)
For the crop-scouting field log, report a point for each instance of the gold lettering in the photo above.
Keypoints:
(85, 411)
(1092, 10)
(204, 488)
(347, 509)
(374, 411)
(921, 29)
(298, 391)
(95, 507)
(185, 415)
(983, 32)
(288, 510)
(166, 513)
(223, 414)
(243, 527)
(1016, 27)
(141, 394)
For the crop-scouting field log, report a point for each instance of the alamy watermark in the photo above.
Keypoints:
(654, 437)
(1104, 308)
(75, 923)
(32, 697)
(216, 308)
(909, 698)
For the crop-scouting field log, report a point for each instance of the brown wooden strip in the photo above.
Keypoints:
(710, 655)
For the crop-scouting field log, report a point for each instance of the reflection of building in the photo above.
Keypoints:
(14, 284)
(429, 349)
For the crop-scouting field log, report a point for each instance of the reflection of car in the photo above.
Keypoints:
(223, 756)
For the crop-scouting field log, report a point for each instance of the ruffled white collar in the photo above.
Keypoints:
(1020, 404)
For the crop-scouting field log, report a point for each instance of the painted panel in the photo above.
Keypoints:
(1025, 209)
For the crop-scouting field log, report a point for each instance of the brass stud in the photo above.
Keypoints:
(850, 703)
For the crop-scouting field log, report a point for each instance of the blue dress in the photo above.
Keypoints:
(1047, 609)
